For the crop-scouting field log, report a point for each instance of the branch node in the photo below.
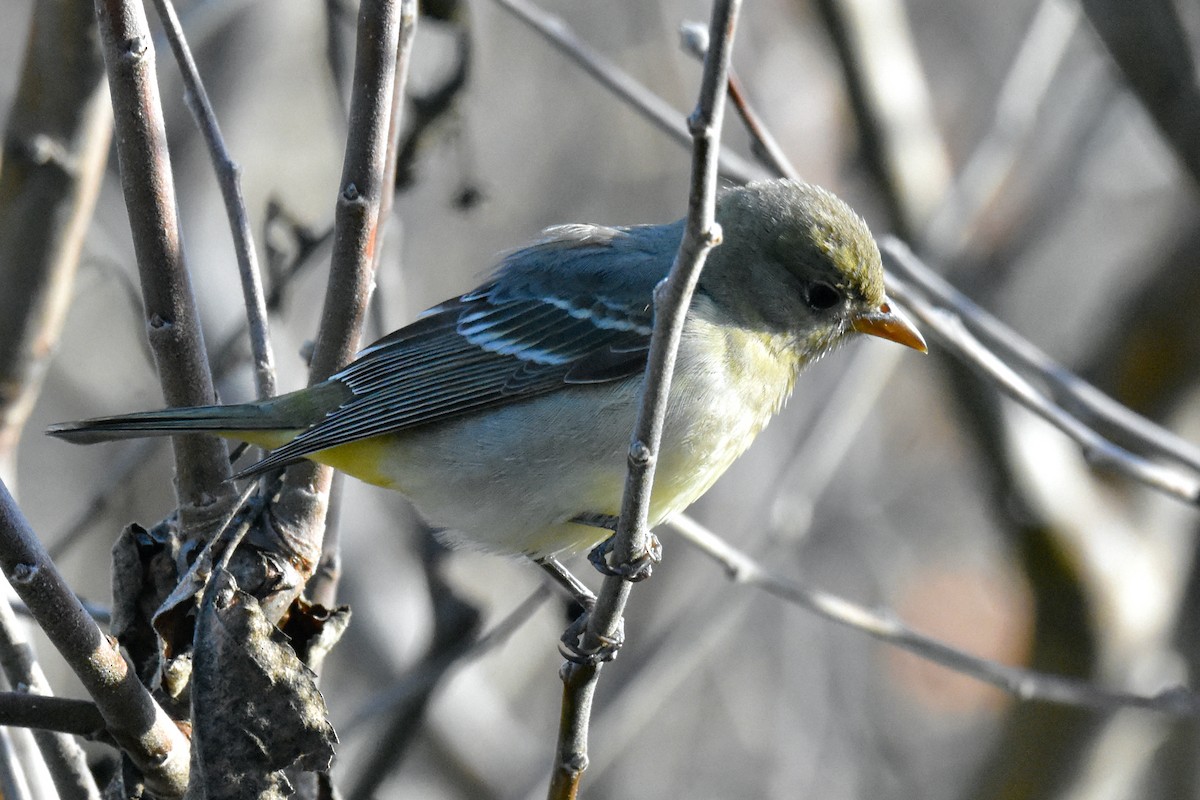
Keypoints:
(23, 573)
(135, 49)
(640, 454)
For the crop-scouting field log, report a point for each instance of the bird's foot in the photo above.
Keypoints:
(636, 569)
(572, 647)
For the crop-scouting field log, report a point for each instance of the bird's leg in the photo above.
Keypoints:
(562, 576)
(571, 643)
(637, 569)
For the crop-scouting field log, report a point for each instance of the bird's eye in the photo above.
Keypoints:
(822, 296)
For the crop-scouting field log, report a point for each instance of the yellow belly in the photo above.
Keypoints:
(366, 459)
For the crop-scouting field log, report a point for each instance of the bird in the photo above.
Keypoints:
(505, 414)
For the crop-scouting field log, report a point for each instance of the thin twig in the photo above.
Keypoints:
(671, 302)
(172, 323)
(953, 320)
(64, 758)
(1022, 683)
(656, 110)
(324, 583)
(229, 179)
(694, 38)
(1077, 393)
(300, 511)
(64, 716)
(952, 331)
(144, 731)
(671, 661)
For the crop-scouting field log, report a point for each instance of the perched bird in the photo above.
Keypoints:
(505, 414)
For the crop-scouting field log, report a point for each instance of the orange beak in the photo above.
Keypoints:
(888, 323)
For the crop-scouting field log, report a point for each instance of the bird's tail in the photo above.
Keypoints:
(167, 422)
(269, 423)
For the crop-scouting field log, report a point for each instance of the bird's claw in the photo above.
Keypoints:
(571, 645)
(636, 569)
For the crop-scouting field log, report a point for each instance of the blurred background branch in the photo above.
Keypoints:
(55, 146)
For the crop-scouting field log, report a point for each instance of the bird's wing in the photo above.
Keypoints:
(526, 333)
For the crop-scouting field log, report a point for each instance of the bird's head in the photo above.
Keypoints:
(797, 261)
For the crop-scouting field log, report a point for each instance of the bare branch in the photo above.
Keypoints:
(324, 583)
(42, 712)
(948, 321)
(56, 144)
(229, 179)
(1022, 683)
(300, 512)
(138, 724)
(694, 38)
(356, 225)
(172, 323)
(671, 302)
(64, 758)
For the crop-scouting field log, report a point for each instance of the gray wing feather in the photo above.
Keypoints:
(522, 335)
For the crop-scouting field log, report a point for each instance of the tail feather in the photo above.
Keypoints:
(170, 421)
(267, 423)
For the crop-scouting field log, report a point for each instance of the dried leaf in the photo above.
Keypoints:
(256, 707)
(143, 573)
